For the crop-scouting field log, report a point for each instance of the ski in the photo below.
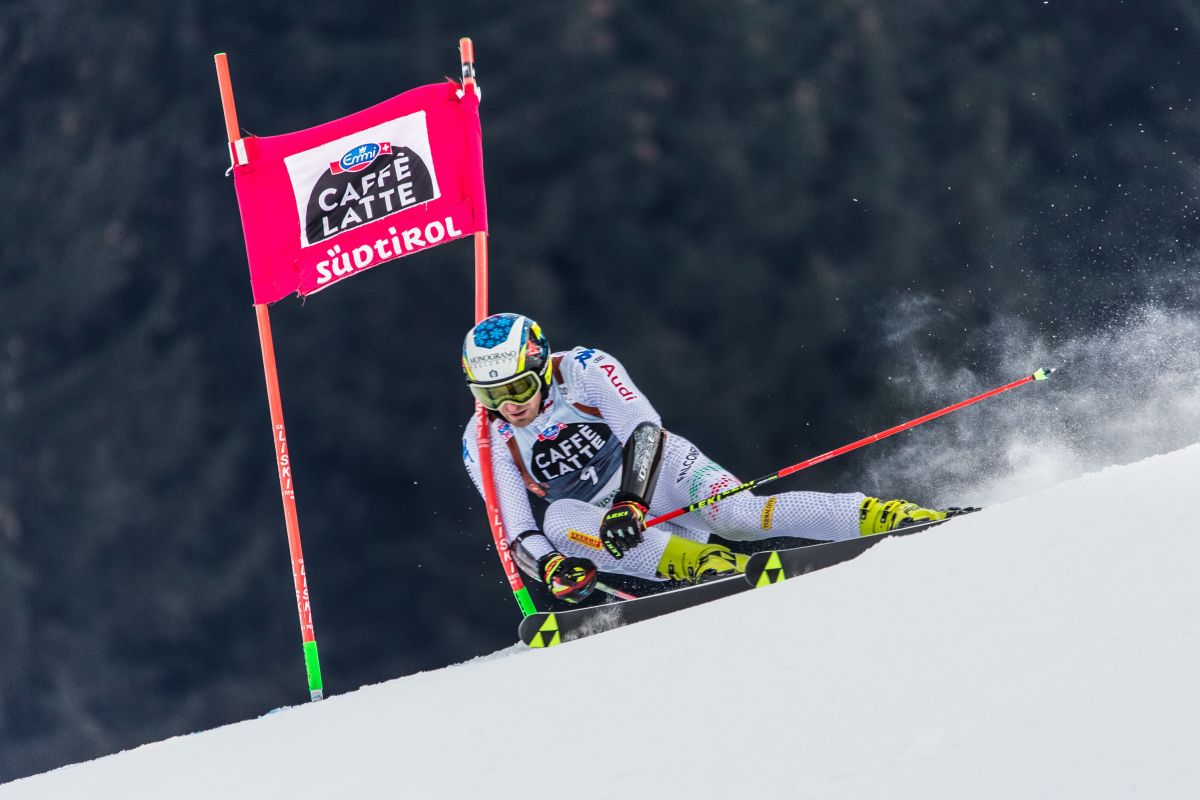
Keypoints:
(773, 566)
(549, 628)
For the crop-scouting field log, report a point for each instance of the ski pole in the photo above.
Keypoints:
(1040, 375)
(614, 592)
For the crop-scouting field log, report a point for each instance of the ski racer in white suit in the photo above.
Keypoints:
(573, 429)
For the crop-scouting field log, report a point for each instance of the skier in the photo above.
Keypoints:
(573, 429)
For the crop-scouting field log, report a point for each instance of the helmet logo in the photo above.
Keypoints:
(490, 361)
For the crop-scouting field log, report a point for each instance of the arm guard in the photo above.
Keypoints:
(529, 549)
(640, 463)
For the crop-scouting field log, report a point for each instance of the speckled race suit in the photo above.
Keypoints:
(570, 456)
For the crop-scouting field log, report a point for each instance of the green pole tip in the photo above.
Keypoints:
(525, 602)
(312, 664)
(1042, 374)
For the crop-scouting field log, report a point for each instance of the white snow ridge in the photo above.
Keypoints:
(1046, 647)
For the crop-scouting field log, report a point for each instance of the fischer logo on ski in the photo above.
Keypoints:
(549, 628)
(547, 633)
(774, 566)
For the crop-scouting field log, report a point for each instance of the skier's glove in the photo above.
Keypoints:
(568, 578)
(622, 527)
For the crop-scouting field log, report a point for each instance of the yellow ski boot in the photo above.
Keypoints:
(880, 516)
(693, 562)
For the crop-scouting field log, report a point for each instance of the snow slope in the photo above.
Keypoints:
(1046, 647)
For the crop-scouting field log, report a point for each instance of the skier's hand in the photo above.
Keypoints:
(568, 578)
(622, 527)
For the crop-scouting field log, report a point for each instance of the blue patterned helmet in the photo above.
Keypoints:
(506, 360)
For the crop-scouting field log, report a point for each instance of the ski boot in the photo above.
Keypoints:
(693, 562)
(880, 516)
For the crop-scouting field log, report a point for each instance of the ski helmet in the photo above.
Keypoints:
(506, 360)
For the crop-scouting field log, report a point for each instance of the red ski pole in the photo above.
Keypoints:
(1040, 375)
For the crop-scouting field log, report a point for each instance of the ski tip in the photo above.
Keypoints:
(1044, 373)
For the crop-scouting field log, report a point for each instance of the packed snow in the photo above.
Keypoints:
(1043, 648)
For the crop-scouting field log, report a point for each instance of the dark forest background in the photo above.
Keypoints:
(739, 199)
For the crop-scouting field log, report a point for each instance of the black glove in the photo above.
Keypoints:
(568, 578)
(622, 527)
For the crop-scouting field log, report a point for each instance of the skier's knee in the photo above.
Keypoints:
(748, 519)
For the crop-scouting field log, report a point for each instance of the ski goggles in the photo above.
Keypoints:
(520, 389)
